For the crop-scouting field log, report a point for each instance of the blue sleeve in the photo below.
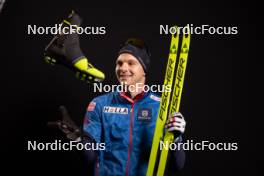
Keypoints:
(92, 125)
(90, 155)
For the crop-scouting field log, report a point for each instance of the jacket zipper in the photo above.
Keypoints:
(130, 138)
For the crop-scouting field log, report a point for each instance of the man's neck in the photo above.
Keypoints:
(134, 94)
(135, 90)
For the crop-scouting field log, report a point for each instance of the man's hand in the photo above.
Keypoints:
(67, 125)
(65, 49)
(176, 124)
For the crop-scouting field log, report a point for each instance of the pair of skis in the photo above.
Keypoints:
(170, 102)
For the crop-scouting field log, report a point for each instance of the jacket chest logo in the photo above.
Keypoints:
(144, 114)
(115, 110)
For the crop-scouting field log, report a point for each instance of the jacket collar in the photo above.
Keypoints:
(126, 96)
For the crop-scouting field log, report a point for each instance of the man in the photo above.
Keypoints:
(125, 121)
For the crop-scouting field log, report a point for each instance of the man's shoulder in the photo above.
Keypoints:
(101, 101)
(154, 97)
(104, 97)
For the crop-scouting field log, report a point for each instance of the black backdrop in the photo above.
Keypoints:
(214, 98)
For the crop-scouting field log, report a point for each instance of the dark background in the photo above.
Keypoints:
(214, 100)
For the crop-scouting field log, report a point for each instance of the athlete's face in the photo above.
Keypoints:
(129, 70)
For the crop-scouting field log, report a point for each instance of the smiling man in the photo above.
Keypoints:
(125, 121)
(131, 66)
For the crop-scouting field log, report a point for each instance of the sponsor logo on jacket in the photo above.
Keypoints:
(116, 110)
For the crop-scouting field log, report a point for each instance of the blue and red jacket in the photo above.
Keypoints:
(126, 126)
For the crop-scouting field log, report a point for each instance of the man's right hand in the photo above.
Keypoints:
(67, 125)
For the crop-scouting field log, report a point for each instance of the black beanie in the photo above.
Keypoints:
(139, 50)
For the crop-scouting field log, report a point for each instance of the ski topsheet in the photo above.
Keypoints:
(168, 103)
(164, 103)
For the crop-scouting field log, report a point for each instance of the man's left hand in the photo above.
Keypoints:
(176, 124)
